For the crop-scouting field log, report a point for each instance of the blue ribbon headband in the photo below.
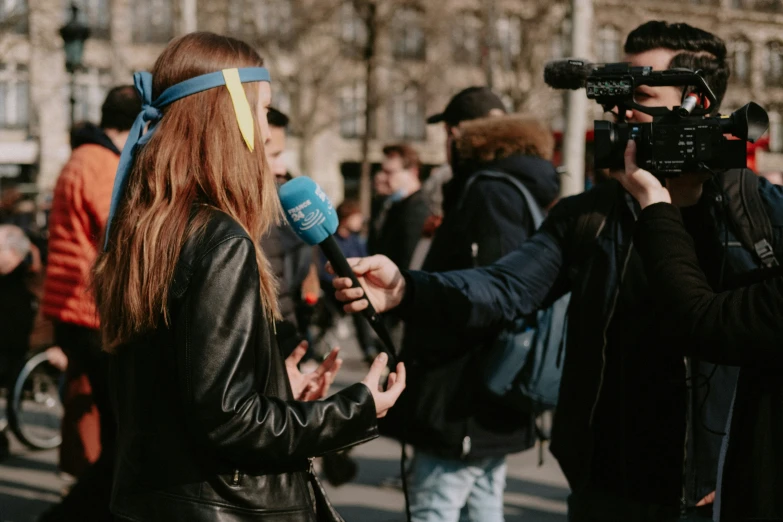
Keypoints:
(151, 113)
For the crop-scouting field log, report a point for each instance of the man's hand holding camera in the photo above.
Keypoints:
(643, 186)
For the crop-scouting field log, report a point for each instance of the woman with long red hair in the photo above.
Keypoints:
(212, 422)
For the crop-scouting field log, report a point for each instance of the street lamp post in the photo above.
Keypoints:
(74, 34)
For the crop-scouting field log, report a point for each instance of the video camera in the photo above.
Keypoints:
(682, 139)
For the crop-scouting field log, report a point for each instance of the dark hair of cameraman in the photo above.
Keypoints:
(700, 51)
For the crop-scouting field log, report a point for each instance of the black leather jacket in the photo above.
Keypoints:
(207, 426)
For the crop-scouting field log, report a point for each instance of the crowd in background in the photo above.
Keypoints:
(445, 222)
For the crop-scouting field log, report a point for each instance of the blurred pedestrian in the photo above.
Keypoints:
(80, 210)
(400, 223)
(291, 259)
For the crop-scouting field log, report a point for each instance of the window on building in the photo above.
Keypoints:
(407, 115)
(768, 6)
(352, 110)
(407, 33)
(773, 64)
(92, 85)
(94, 14)
(608, 45)
(14, 96)
(509, 31)
(740, 61)
(13, 15)
(353, 30)
(466, 39)
(153, 20)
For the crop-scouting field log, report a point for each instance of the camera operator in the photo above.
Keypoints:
(740, 327)
(619, 432)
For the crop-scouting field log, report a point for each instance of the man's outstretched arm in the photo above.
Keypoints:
(519, 284)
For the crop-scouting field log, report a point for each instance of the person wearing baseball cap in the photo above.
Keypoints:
(469, 104)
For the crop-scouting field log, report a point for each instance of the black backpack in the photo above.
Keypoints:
(749, 220)
(524, 363)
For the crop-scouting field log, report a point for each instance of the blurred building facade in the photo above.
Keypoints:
(318, 54)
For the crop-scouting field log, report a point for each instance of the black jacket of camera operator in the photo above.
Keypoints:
(443, 410)
(740, 328)
(619, 423)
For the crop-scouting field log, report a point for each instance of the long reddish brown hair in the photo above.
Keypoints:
(195, 161)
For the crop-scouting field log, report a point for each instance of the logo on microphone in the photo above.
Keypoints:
(313, 219)
(306, 221)
(297, 213)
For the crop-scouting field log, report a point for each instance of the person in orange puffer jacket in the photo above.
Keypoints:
(80, 209)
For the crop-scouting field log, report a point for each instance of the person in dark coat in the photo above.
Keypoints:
(741, 327)
(461, 436)
(620, 430)
(405, 210)
(290, 257)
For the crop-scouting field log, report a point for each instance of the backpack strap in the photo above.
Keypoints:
(589, 224)
(748, 215)
(532, 205)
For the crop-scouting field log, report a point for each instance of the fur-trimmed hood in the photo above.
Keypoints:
(515, 144)
(498, 137)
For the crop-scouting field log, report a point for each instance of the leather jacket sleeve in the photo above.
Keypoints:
(232, 378)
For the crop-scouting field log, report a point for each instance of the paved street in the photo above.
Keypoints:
(29, 482)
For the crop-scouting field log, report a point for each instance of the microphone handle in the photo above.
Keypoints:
(341, 267)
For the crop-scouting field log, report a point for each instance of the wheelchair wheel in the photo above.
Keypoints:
(35, 409)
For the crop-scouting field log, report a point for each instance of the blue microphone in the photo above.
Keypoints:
(313, 218)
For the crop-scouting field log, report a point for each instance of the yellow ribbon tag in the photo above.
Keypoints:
(241, 106)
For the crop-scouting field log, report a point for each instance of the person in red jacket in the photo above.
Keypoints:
(80, 209)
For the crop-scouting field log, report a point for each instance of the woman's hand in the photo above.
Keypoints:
(315, 385)
(642, 185)
(706, 501)
(379, 275)
(384, 400)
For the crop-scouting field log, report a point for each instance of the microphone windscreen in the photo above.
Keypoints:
(308, 210)
(567, 74)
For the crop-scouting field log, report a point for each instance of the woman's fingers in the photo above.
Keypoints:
(396, 387)
(297, 354)
(329, 362)
(337, 365)
(373, 377)
(709, 499)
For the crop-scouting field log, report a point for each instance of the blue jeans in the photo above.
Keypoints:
(444, 490)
